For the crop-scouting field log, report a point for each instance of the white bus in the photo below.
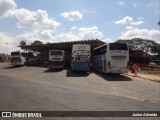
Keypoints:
(111, 58)
(80, 57)
(18, 58)
(56, 59)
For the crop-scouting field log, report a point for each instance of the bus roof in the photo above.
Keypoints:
(99, 47)
(57, 50)
(105, 45)
(81, 44)
(19, 51)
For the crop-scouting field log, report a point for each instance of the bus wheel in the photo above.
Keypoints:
(99, 70)
(90, 71)
(50, 68)
(117, 74)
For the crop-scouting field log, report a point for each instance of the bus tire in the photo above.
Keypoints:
(99, 70)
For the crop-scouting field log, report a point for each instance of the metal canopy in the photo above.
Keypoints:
(62, 45)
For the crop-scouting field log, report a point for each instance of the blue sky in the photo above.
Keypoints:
(71, 20)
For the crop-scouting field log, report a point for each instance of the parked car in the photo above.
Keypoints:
(152, 64)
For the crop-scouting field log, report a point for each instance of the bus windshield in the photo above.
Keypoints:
(56, 52)
(15, 53)
(24, 54)
(118, 46)
(81, 57)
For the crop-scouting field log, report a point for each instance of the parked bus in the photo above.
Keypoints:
(31, 58)
(111, 58)
(56, 59)
(18, 58)
(80, 58)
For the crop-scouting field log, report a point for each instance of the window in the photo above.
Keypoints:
(81, 57)
(100, 50)
(56, 52)
(15, 53)
(118, 46)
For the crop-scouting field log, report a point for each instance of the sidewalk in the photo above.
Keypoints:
(151, 77)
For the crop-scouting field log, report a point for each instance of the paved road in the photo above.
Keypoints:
(34, 88)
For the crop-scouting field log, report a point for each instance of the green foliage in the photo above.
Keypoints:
(122, 41)
(158, 23)
(143, 45)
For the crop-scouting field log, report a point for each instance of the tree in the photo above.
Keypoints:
(158, 23)
(145, 45)
(36, 42)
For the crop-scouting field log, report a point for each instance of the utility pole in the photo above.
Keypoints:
(6, 47)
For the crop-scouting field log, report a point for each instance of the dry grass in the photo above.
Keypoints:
(152, 72)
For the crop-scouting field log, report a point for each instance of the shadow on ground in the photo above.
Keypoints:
(12, 67)
(112, 77)
(52, 70)
(76, 74)
(39, 65)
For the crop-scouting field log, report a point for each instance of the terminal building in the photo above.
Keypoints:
(44, 49)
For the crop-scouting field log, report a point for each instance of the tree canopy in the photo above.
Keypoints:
(145, 45)
(158, 23)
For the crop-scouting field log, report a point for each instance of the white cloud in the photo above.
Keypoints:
(90, 33)
(129, 27)
(73, 28)
(137, 22)
(26, 18)
(6, 8)
(29, 37)
(38, 22)
(125, 20)
(73, 15)
(107, 40)
(121, 3)
(135, 4)
(42, 35)
(129, 20)
(139, 18)
(141, 33)
(83, 34)
(35, 19)
(41, 27)
(11, 43)
(65, 37)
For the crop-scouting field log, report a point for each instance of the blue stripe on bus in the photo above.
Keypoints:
(81, 66)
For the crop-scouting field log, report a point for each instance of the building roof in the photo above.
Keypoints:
(62, 45)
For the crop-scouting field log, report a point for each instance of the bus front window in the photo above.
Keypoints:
(118, 46)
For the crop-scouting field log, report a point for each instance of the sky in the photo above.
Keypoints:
(72, 20)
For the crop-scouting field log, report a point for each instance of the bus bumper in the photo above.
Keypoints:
(17, 63)
(80, 68)
(56, 64)
(117, 71)
(56, 67)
